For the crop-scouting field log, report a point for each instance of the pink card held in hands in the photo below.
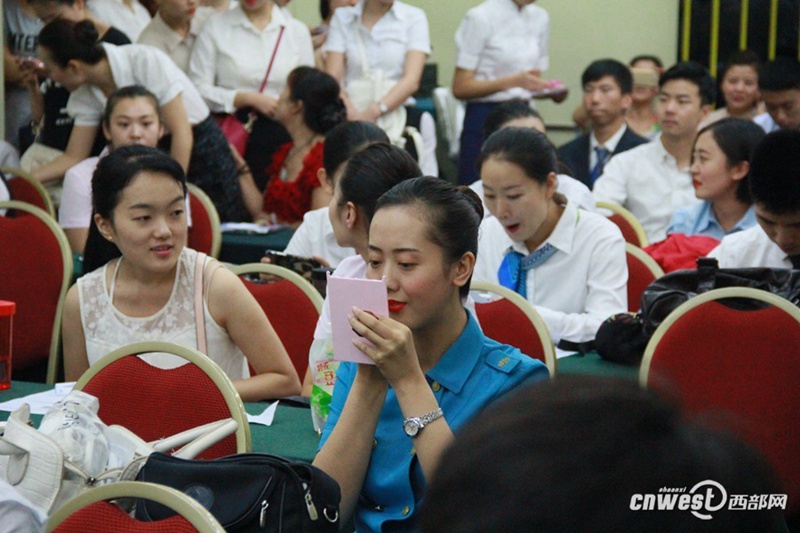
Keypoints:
(344, 293)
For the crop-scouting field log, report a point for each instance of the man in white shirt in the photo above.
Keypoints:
(652, 180)
(779, 82)
(607, 88)
(775, 187)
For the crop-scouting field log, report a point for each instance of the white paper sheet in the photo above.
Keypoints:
(564, 353)
(41, 402)
(265, 418)
(249, 227)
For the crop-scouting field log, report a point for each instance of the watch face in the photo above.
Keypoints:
(411, 427)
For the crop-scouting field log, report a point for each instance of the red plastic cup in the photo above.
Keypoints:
(7, 310)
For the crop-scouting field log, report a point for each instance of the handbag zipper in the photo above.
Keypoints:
(312, 510)
(262, 519)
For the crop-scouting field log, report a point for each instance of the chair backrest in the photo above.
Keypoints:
(642, 271)
(292, 305)
(205, 234)
(512, 320)
(91, 512)
(740, 367)
(632, 230)
(25, 188)
(153, 402)
(35, 272)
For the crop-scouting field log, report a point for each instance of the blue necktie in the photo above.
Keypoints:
(513, 272)
(603, 156)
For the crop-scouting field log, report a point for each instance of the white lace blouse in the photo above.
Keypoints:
(106, 328)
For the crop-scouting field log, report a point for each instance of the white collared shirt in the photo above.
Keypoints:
(129, 20)
(580, 286)
(402, 29)
(575, 191)
(232, 55)
(134, 64)
(172, 43)
(749, 249)
(314, 237)
(646, 180)
(497, 39)
(766, 122)
(610, 144)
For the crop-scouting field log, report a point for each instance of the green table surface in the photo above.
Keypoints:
(593, 364)
(291, 434)
(241, 248)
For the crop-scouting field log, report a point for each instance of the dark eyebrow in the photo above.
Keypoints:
(395, 250)
(150, 206)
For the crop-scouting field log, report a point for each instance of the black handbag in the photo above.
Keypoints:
(623, 338)
(248, 492)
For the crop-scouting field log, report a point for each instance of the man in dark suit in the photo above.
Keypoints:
(607, 87)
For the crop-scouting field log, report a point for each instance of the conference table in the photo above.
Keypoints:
(292, 435)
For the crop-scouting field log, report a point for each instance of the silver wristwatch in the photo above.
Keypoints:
(383, 108)
(413, 425)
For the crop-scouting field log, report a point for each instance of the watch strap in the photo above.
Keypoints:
(430, 417)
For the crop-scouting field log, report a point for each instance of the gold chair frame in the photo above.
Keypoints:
(712, 295)
(66, 260)
(629, 217)
(18, 173)
(213, 216)
(184, 505)
(283, 273)
(212, 370)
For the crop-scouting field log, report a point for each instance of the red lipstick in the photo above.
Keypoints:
(395, 306)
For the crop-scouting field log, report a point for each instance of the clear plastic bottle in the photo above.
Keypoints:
(323, 375)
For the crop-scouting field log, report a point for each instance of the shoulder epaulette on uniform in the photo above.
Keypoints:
(503, 360)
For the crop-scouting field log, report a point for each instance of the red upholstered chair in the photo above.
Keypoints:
(91, 512)
(205, 234)
(24, 188)
(642, 271)
(35, 272)
(154, 403)
(740, 369)
(632, 230)
(511, 319)
(292, 305)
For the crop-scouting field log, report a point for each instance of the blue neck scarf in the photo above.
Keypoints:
(513, 272)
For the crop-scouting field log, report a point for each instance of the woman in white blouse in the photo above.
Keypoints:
(396, 43)
(569, 263)
(502, 50)
(229, 63)
(91, 71)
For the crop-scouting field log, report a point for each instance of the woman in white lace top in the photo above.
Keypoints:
(145, 289)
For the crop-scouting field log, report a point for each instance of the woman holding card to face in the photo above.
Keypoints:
(434, 369)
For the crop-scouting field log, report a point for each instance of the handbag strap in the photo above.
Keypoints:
(362, 51)
(199, 290)
(272, 59)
